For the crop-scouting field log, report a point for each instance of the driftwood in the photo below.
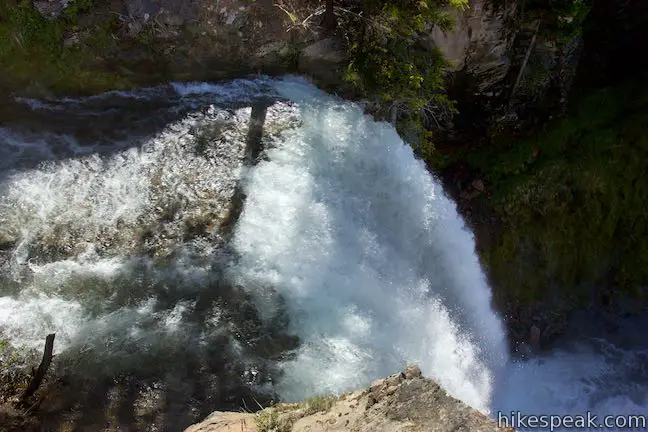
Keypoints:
(39, 375)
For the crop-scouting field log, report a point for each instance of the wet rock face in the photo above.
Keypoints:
(479, 42)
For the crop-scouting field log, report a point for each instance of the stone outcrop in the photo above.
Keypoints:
(152, 41)
(226, 421)
(479, 42)
(402, 402)
(508, 64)
(145, 42)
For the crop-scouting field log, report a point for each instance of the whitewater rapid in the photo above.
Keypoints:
(347, 261)
(376, 266)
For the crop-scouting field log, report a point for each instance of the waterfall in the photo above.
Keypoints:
(375, 265)
(343, 262)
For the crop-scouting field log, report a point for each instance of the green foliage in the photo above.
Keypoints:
(271, 421)
(573, 200)
(75, 8)
(33, 52)
(4, 345)
(389, 62)
(562, 20)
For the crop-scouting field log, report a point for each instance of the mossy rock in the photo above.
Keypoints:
(572, 205)
(41, 56)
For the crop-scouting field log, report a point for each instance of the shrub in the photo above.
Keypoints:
(390, 64)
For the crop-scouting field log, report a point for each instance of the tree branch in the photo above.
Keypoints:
(526, 59)
(37, 378)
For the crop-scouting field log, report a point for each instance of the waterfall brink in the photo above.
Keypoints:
(341, 262)
(350, 233)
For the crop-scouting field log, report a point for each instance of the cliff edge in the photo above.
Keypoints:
(402, 402)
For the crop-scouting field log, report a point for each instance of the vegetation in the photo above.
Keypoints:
(14, 376)
(319, 404)
(271, 421)
(33, 50)
(391, 66)
(282, 417)
(573, 201)
(560, 20)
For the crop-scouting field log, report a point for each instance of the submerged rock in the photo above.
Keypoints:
(402, 402)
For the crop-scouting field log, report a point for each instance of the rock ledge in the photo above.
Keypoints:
(402, 402)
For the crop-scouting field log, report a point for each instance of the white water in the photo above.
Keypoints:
(376, 266)
(341, 225)
(576, 381)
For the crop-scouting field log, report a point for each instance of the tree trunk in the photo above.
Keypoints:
(330, 22)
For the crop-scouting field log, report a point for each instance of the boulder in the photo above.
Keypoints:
(226, 422)
(51, 9)
(322, 59)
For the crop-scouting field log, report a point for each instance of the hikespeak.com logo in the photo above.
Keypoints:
(587, 421)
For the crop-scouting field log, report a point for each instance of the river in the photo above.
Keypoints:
(341, 261)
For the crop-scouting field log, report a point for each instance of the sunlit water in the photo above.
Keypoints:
(111, 237)
(594, 370)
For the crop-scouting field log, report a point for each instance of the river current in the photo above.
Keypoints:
(182, 272)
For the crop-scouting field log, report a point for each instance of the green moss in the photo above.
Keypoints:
(573, 201)
(33, 54)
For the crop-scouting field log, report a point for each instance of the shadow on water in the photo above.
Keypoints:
(161, 348)
(107, 123)
(169, 377)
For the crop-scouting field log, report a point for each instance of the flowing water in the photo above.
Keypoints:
(182, 274)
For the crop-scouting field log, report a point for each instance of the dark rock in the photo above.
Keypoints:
(51, 9)
(534, 337)
(169, 12)
(322, 59)
(478, 184)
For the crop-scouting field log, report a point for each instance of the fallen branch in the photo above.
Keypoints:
(526, 59)
(39, 375)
